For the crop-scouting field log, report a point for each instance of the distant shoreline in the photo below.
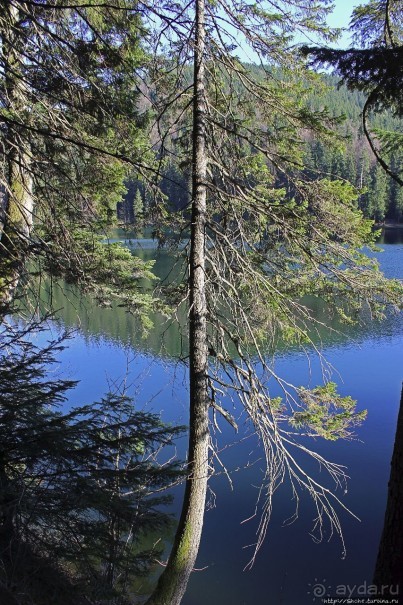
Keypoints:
(388, 225)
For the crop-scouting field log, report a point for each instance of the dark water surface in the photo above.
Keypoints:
(290, 568)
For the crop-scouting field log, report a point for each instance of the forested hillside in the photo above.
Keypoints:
(349, 157)
(148, 108)
(381, 198)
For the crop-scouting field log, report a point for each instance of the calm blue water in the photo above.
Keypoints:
(369, 367)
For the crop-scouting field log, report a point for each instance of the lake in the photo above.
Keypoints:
(291, 569)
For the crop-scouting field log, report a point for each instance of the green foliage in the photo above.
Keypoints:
(278, 227)
(377, 23)
(271, 234)
(374, 69)
(107, 270)
(342, 154)
(378, 194)
(69, 99)
(138, 208)
(356, 162)
(327, 414)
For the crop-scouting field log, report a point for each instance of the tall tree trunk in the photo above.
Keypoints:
(17, 227)
(389, 564)
(18, 207)
(173, 581)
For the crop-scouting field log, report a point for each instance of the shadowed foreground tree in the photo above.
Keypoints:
(261, 237)
(71, 131)
(79, 489)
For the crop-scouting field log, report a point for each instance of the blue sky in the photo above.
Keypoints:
(341, 17)
(342, 12)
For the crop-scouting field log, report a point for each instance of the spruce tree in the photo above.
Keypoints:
(138, 208)
(79, 488)
(375, 67)
(378, 194)
(395, 193)
(261, 236)
(70, 129)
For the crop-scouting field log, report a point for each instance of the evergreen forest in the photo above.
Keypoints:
(257, 173)
(348, 157)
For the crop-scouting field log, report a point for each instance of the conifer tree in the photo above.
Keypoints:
(79, 488)
(138, 207)
(378, 195)
(374, 67)
(261, 236)
(395, 193)
(70, 128)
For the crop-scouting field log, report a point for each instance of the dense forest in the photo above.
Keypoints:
(381, 198)
(348, 157)
(265, 168)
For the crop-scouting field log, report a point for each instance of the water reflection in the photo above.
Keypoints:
(368, 365)
(168, 336)
(392, 235)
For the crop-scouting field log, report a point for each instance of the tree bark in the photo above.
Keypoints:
(389, 564)
(173, 581)
(18, 208)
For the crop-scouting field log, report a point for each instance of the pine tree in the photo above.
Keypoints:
(375, 67)
(138, 208)
(261, 236)
(70, 129)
